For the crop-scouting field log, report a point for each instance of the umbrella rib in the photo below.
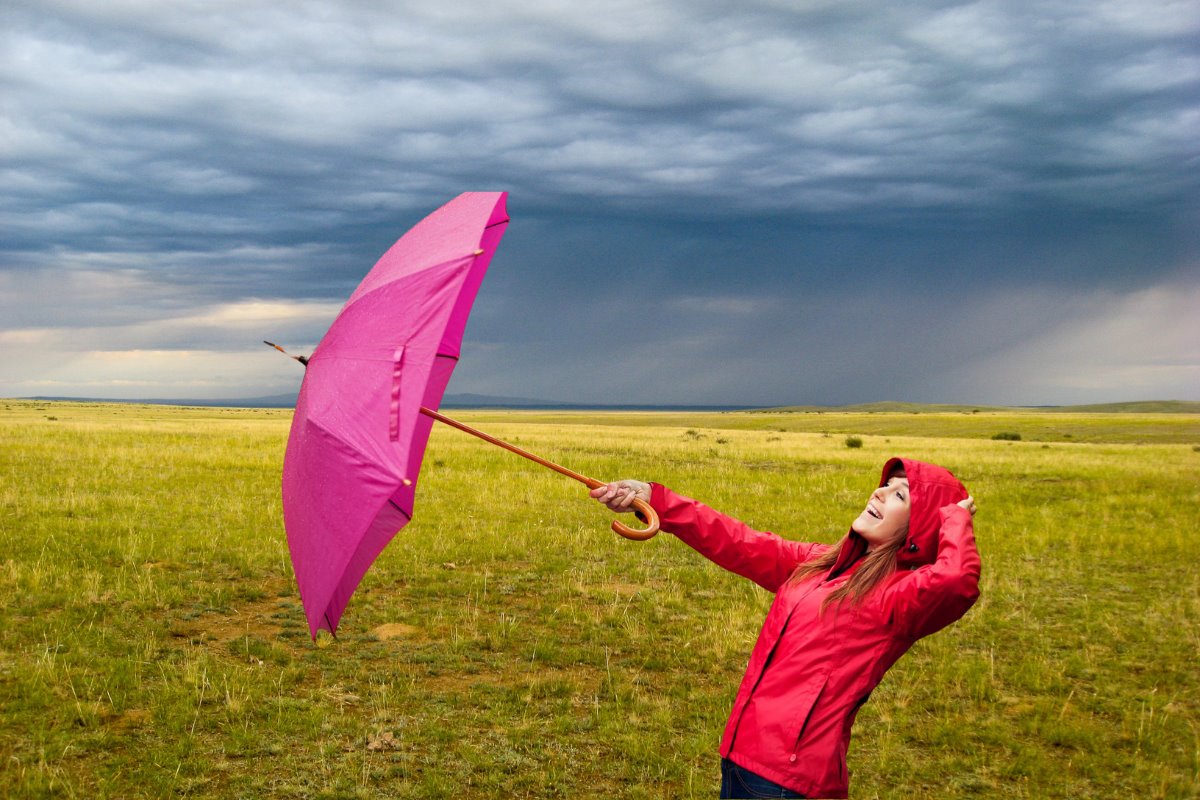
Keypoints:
(353, 301)
(350, 446)
(407, 515)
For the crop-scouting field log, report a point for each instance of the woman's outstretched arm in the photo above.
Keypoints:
(763, 557)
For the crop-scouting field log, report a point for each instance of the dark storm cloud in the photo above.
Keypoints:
(691, 183)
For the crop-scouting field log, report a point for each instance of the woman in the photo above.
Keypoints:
(842, 615)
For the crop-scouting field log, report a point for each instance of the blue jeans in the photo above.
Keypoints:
(740, 782)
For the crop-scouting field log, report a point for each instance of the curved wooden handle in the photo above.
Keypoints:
(645, 511)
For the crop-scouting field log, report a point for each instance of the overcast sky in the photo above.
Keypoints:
(753, 202)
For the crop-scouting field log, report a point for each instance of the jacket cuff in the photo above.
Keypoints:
(657, 497)
(950, 510)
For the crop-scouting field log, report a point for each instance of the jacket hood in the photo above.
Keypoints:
(930, 489)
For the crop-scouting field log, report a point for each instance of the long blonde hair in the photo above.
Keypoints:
(876, 567)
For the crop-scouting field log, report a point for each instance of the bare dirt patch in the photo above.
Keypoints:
(395, 630)
(254, 619)
(131, 718)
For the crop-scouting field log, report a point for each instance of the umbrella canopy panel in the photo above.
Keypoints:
(357, 438)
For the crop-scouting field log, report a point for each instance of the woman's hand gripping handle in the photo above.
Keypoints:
(624, 496)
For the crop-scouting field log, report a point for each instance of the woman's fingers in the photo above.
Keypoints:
(605, 493)
(618, 495)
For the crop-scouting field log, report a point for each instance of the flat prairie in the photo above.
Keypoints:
(507, 644)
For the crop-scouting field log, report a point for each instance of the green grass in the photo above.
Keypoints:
(507, 644)
(1033, 426)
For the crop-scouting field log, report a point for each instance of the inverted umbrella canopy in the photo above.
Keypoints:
(364, 412)
(357, 437)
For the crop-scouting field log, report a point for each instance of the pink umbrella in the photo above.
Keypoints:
(364, 414)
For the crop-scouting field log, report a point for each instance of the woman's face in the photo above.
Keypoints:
(886, 514)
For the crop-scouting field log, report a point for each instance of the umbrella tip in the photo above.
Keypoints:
(406, 481)
(478, 252)
(302, 359)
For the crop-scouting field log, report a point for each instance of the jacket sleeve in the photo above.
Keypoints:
(765, 558)
(935, 595)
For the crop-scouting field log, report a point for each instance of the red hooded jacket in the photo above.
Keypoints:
(809, 672)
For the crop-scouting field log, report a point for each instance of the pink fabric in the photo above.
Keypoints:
(357, 434)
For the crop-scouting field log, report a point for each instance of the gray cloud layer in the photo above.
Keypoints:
(698, 189)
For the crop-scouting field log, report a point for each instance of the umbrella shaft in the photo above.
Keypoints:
(591, 483)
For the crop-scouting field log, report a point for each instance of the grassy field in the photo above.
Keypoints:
(1034, 426)
(507, 644)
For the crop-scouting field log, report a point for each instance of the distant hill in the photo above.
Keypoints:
(1136, 407)
(892, 407)
(492, 401)
(271, 401)
(496, 401)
